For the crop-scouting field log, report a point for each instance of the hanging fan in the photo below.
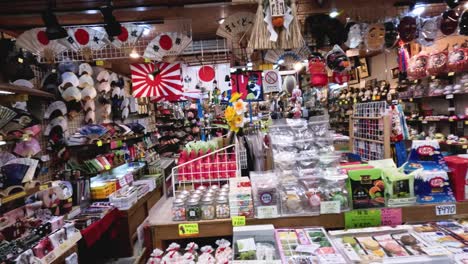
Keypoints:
(5, 157)
(167, 44)
(86, 40)
(31, 163)
(161, 79)
(128, 37)
(37, 42)
(237, 28)
(287, 58)
(6, 115)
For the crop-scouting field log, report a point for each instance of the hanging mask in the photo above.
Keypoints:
(464, 24)
(391, 34)
(408, 28)
(375, 36)
(449, 22)
(354, 36)
(337, 60)
(428, 31)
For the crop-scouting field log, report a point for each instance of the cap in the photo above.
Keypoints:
(85, 68)
(58, 121)
(70, 77)
(55, 106)
(85, 80)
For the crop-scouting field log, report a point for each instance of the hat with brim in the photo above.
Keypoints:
(85, 80)
(58, 121)
(54, 108)
(85, 68)
(70, 77)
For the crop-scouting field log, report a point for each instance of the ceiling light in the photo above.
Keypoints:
(6, 92)
(112, 27)
(134, 54)
(221, 21)
(53, 28)
(465, 5)
(334, 14)
(298, 66)
(249, 64)
(91, 12)
(280, 61)
(418, 10)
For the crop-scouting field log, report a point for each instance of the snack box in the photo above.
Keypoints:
(447, 234)
(387, 245)
(366, 188)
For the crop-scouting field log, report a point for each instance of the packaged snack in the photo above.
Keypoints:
(437, 63)
(418, 66)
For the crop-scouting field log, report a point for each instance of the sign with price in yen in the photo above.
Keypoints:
(363, 218)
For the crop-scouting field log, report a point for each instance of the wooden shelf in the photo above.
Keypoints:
(17, 89)
(164, 231)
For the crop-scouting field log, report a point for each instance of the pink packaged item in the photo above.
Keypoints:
(418, 66)
(437, 63)
(458, 60)
(206, 257)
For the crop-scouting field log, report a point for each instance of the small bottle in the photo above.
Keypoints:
(207, 209)
(178, 210)
(193, 210)
(222, 208)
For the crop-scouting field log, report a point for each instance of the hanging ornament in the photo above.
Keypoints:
(417, 66)
(375, 36)
(452, 3)
(463, 26)
(402, 61)
(408, 28)
(337, 60)
(391, 34)
(449, 22)
(318, 71)
(354, 36)
(428, 31)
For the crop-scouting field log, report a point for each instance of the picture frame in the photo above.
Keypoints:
(363, 68)
(353, 76)
(395, 73)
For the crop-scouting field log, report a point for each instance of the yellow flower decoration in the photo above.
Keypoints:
(240, 107)
(233, 127)
(239, 121)
(235, 96)
(229, 114)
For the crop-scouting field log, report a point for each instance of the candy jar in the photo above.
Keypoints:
(206, 257)
(222, 207)
(172, 254)
(223, 253)
(207, 208)
(193, 210)
(178, 210)
(156, 256)
(191, 249)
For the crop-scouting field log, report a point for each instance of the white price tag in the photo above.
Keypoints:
(330, 207)
(267, 211)
(446, 209)
(435, 251)
(451, 109)
(361, 144)
(307, 248)
(424, 122)
(373, 147)
(331, 259)
(449, 96)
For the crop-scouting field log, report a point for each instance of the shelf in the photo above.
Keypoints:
(62, 249)
(17, 89)
(164, 230)
(19, 195)
(107, 141)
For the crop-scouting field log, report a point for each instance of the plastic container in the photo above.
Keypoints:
(123, 202)
(178, 210)
(208, 209)
(193, 210)
(222, 208)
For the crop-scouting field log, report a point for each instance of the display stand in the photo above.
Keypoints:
(369, 131)
(163, 230)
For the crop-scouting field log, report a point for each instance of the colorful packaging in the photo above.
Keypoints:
(366, 188)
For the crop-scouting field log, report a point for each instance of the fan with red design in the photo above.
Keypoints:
(85, 40)
(128, 37)
(37, 42)
(167, 44)
(156, 80)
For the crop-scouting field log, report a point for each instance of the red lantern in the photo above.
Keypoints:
(318, 71)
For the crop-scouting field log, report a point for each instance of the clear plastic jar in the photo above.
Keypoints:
(222, 208)
(193, 210)
(178, 210)
(201, 188)
(207, 209)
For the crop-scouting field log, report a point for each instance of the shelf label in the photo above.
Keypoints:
(466, 122)
(451, 109)
(330, 207)
(13, 197)
(99, 63)
(451, 74)
(270, 211)
(99, 143)
(391, 216)
(43, 187)
(465, 146)
(49, 258)
(446, 209)
(435, 251)
(424, 121)
(363, 218)
(107, 167)
(449, 96)
(331, 259)
(238, 220)
(147, 60)
(188, 229)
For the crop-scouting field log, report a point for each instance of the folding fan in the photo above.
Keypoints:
(86, 40)
(131, 33)
(32, 165)
(5, 157)
(289, 57)
(161, 79)
(166, 44)
(6, 115)
(237, 28)
(37, 42)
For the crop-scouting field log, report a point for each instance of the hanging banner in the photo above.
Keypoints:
(271, 81)
(248, 84)
(210, 77)
(156, 80)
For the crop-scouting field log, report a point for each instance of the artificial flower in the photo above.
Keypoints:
(233, 127)
(239, 121)
(235, 96)
(240, 106)
(229, 114)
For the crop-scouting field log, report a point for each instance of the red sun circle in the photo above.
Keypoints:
(123, 36)
(82, 36)
(165, 42)
(206, 73)
(42, 37)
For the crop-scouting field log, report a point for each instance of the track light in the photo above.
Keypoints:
(112, 27)
(53, 28)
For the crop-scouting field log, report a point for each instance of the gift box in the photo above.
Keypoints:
(366, 188)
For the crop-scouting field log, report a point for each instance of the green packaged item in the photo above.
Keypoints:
(366, 188)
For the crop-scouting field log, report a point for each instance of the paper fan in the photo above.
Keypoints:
(37, 42)
(237, 29)
(6, 115)
(161, 79)
(287, 58)
(166, 44)
(5, 157)
(85, 40)
(128, 37)
(31, 163)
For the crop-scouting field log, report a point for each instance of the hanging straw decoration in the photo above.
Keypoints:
(259, 38)
(294, 39)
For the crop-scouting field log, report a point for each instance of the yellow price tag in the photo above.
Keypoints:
(450, 119)
(188, 230)
(355, 100)
(13, 197)
(107, 167)
(147, 60)
(451, 73)
(99, 143)
(99, 63)
(43, 187)
(466, 122)
(238, 220)
(465, 147)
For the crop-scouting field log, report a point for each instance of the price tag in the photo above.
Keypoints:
(43, 187)
(450, 119)
(451, 109)
(99, 63)
(331, 259)
(433, 77)
(267, 211)
(330, 207)
(411, 99)
(451, 74)
(238, 220)
(363, 218)
(20, 60)
(99, 143)
(107, 167)
(465, 146)
(49, 258)
(188, 229)
(449, 96)
(391, 216)
(435, 251)
(446, 209)
(147, 60)
(113, 144)
(424, 122)
(466, 122)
